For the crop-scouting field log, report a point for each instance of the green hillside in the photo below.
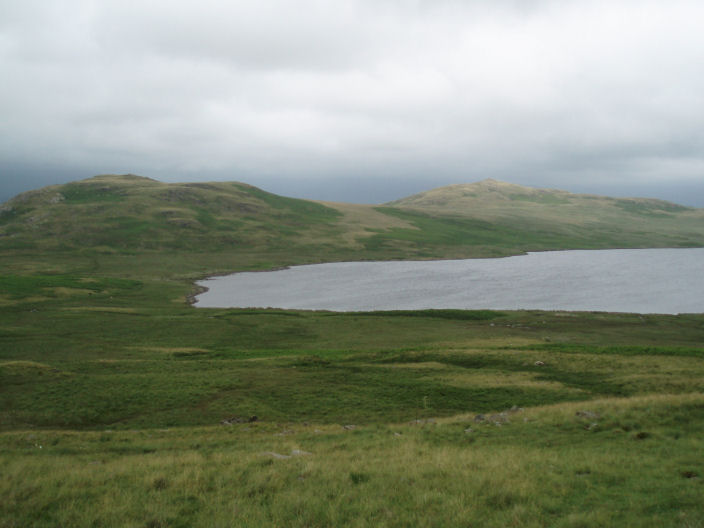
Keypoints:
(547, 216)
(131, 212)
(215, 227)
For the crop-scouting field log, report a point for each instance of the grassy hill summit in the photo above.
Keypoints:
(243, 227)
(129, 211)
(491, 199)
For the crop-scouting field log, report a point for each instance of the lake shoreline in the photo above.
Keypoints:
(644, 280)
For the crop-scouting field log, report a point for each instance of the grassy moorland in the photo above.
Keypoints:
(121, 405)
(106, 221)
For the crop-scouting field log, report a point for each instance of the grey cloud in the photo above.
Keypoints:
(579, 93)
(248, 35)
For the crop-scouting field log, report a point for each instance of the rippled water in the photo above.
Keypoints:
(617, 280)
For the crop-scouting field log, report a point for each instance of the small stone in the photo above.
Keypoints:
(539, 363)
(299, 452)
(275, 455)
(480, 418)
(469, 430)
(284, 432)
(499, 419)
(349, 427)
(587, 414)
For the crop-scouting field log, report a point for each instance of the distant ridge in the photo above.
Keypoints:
(239, 226)
(490, 193)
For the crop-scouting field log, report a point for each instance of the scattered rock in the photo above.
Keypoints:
(469, 430)
(421, 421)
(349, 427)
(539, 363)
(279, 456)
(275, 455)
(499, 419)
(397, 434)
(284, 432)
(587, 414)
(239, 419)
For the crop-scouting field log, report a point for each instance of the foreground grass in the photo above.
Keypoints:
(629, 462)
(113, 394)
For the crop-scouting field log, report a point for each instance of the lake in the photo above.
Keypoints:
(615, 280)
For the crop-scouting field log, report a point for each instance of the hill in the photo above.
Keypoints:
(567, 219)
(140, 213)
(194, 228)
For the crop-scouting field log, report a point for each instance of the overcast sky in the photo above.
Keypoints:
(356, 100)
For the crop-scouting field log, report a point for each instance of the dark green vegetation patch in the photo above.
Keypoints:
(82, 193)
(21, 286)
(459, 315)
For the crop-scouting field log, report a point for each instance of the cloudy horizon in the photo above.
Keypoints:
(357, 100)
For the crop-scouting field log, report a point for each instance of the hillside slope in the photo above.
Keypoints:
(195, 228)
(572, 220)
(492, 199)
(140, 213)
